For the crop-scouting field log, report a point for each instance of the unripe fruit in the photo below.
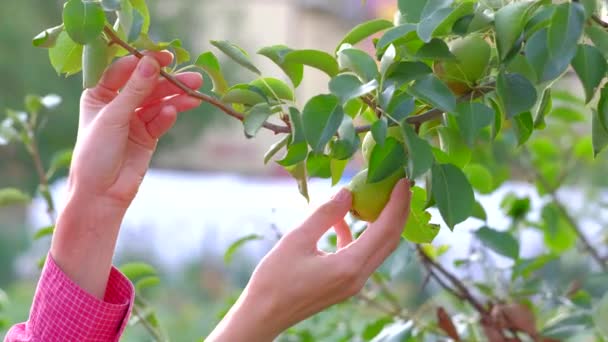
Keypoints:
(369, 143)
(370, 198)
(473, 55)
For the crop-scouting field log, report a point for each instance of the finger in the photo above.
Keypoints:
(325, 217)
(162, 122)
(140, 85)
(345, 237)
(382, 236)
(117, 75)
(181, 103)
(165, 88)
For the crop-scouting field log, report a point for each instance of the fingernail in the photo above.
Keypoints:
(147, 68)
(342, 195)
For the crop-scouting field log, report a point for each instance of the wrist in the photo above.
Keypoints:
(251, 318)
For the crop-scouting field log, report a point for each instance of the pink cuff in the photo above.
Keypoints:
(62, 311)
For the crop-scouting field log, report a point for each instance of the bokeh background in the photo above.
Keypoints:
(208, 185)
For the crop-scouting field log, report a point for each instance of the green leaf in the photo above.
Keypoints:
(136, 27)
(296, 153)
(110, 5)
(61, 160)
(275, 148)
(358, 62)
(385, 160)
(347, 87)
(412, 10)
(394, 34)
(245, 94)
(432, 91)
(47, 38)
(599, 37)
(445, 27)
(502, 243)
(379, 130)
(274, 88)
(95, 59)
(66, 56)
(83, 21)
(419, 151)
(374, 328)
(523, 127)
(480, 178)
(146, 282)
(255, 118)
(516, 93)
(387, 60)
(544, 108)
(318, 165)
(432, 18)
(236, 54)
(298, 172)
(365, 30)
(509, 23)
(559, 235)
(564, 33)
(314, 58)
(602, 107)
(337, 170)
(538, 55)
(142, 7)
(453, 193)
(234, 247)
(42, 232)
(400, 107)
(455, 148)
(12, 196)
(297, 126)
(405, 72)
(590, 66)
(599, 134)
(137, 270)
(210, 64)
(600, 315)
(472, 117)
(348, 142)
(418, 229)
(277, 53)
(321, 116)
(436, 49)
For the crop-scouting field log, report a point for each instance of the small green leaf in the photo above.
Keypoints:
(348, 142)
(296, 153)
(146, 282)
(276, 147)
(564, 33)
(559, 236)
(419, 151)
(599, 134)
(137, 270)
(472, 117)
(255, 119)
(537, 54)
(502, 243)
(517, 94)
(379, 129)
(42, 232)
(590, 66)
(436, 49)
(95, 59)
(234, 247)
(394, 34)
(454, 146)
(245, 94)
(314, 58)
(453, 193)
(321, 116)
(337, 170)
(400, 107)
(48, 38)
(544, 108)
(61, 160)
(12, 196)
(509, 22)
(418, 229)
(297, 126)
(274, 88)
(142, 7)
(66, 56)
(602, 107)
(365, 30)
(405, 72)
(599, 37)
(411, 10)
(523, 127)
(432, 91)
(298, 172)
(318, 165)
(480, 178)
(358, 62)
(348, 87)
(236, 54)
(210, 64)
(429, 23)
(385, 160)
(277, 53)
(83, 21)
(137, 25)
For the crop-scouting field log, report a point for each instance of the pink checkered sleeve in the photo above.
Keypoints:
(62, 311)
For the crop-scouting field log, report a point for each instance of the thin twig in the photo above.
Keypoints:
(373, 303)
(599, 21)
(153, 331)
(44, 181)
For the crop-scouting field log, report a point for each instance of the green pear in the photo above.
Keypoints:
(370, 198)
(369, 143)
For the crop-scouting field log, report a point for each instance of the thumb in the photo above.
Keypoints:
(327, 215)
(140, 85)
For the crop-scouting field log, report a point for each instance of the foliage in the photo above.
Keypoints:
(453, 125)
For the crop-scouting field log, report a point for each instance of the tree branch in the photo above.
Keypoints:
(193, 93)
(599, 21)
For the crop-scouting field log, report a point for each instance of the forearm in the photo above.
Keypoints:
(84, 240)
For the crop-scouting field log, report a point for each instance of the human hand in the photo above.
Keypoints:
(121, 120)
(296, 280)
